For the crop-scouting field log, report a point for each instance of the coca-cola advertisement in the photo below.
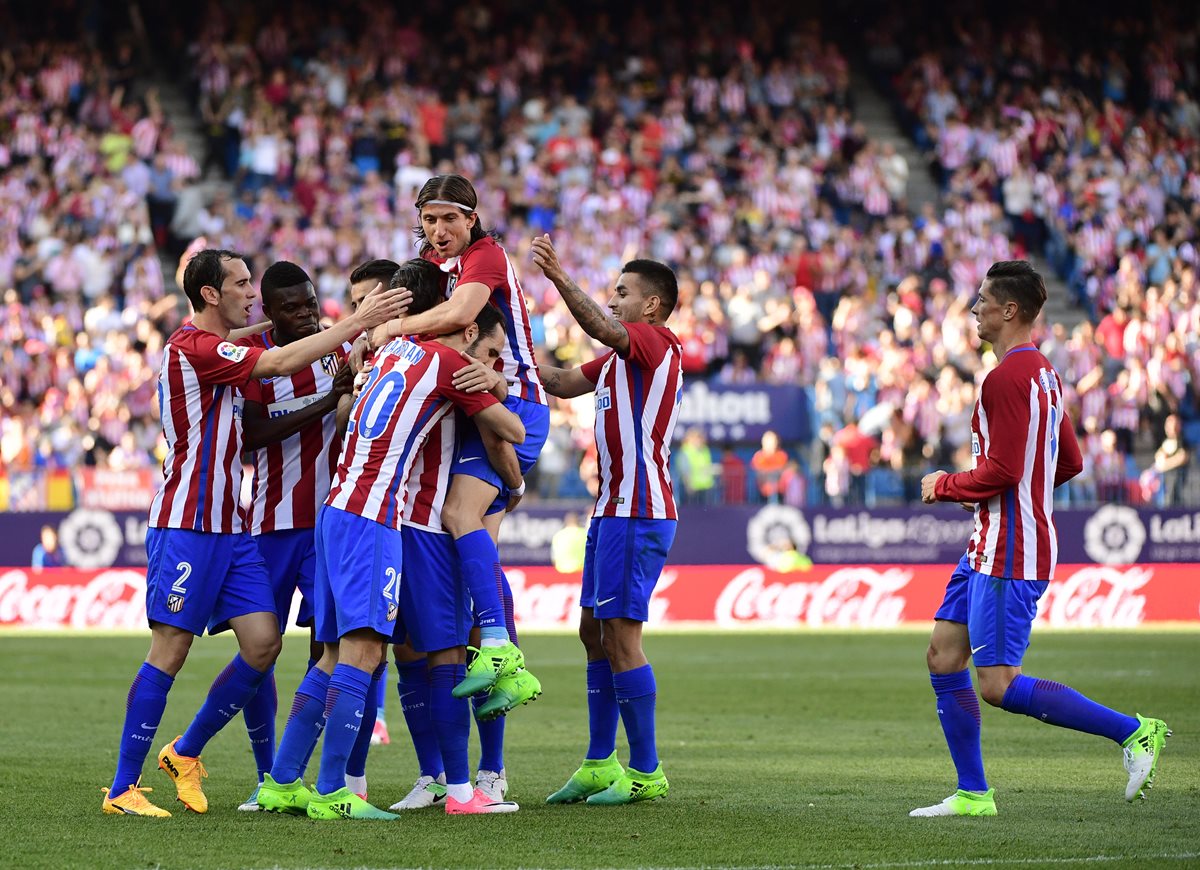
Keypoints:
(723, 596)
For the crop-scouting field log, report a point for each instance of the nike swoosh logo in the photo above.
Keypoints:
(149, 727)
(358, 714)
(468, 459)
(252, 730)
(605, 601)
(977, 649)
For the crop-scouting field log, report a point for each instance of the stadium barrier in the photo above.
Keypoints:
(829, 596)
(96, 537)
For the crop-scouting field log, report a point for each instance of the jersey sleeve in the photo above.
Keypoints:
(469, 403)
(219, 361)
(591, 370)
(1070, 458)
(648, 345)
(484, 264)
(252, 391)
(1005, 400)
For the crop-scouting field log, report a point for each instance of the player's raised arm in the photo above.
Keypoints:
(454, 314)
(259, 429)
(606, 330)
(380, 305)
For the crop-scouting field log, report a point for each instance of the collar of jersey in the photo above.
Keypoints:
(1020, 348)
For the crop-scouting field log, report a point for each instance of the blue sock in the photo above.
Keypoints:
(230, 692)
(480, 563)
(491, 738)
(304, 726)
(345, 709)
(260, 723)
(144, 707)
(356, 764)
(415, 703)
(1056, 704)
(636, 693)
(381, 696)
(958, 711)
(602, 710)
(450, 718)
(506, 602)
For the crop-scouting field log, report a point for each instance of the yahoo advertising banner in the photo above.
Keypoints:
(750, 535)
(729, 412)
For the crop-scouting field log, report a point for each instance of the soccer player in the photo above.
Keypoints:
(360, 554)
(203, 570)
(479, 271)
(1024, 447)
(292, 424)
(637, 385)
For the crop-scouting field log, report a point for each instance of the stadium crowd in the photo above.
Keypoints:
(723, 144)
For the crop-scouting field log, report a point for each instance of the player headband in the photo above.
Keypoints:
(465, 208)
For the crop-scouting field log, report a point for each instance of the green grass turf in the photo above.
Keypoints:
(782, 749)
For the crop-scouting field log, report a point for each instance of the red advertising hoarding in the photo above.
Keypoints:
(720, 596)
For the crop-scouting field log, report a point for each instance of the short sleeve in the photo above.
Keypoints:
(217, 360)
(484, 264)
(591, 370)
(469, 403)
(648, 345)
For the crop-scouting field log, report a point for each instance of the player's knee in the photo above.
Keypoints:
(993, 689)
(944, 661)
(260, 653)
(589, 636)
(453, 519)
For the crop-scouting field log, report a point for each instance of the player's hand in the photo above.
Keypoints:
(360, 379)
(514, 499)
(383, 304)
(476, 376)
(360, 353)
(929, 486)
(343, 380)
(546, 258)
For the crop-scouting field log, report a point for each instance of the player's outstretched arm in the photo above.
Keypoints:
(236, 335)
(502, 421)
(503, 458)
(454, 314)
(262, 430)
(564, 383)
(606, 330)
(378, 306)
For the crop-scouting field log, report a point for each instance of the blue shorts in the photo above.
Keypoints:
(201, 580)
(998, 613)
(291, 559)
(358, 575)
(622, 562)
(435, 607)
(472, 456)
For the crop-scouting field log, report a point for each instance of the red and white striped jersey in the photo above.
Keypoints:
(292, 477)
(637, 404)
(202, 422)
(485, 262)
(429, 480)
(1024, 447)
(410, 388)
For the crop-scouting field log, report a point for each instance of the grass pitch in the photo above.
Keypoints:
(802, 749)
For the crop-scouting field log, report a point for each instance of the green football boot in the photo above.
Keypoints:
(489, 665)
(509, 692)
(961, 803)
(276, 797)
(344, 804)
(633, 787)
(1142, 749)
(593, 776)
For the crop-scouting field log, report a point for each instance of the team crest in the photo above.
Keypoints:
(174, 603)
(231, 351)
(331, 363)
(391, 613)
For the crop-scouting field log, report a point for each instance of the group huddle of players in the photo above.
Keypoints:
(387, 449)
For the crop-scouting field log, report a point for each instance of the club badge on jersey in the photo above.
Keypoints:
(331, 362)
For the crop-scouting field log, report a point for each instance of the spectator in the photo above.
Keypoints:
(733, 477)
(697, 470)
(768, 464)
(1171, 462)
(568, 544)
(47, 553)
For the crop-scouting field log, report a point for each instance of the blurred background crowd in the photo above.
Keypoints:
(724, 141)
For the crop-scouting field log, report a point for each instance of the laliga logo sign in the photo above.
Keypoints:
(90, 538)
(1114, 535)
(772, 525)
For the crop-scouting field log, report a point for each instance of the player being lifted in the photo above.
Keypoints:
(479, 271)
(637, 385)
(359, 545)
(203, 571)
(293, 426)
(1024, 446)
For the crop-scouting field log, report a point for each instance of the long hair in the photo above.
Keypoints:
(451, 188)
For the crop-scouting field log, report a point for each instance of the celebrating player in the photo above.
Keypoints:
(291, 426)
(203, 570)
(479, 271)
(637, 385)
(1024, 447)
(359, 545)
